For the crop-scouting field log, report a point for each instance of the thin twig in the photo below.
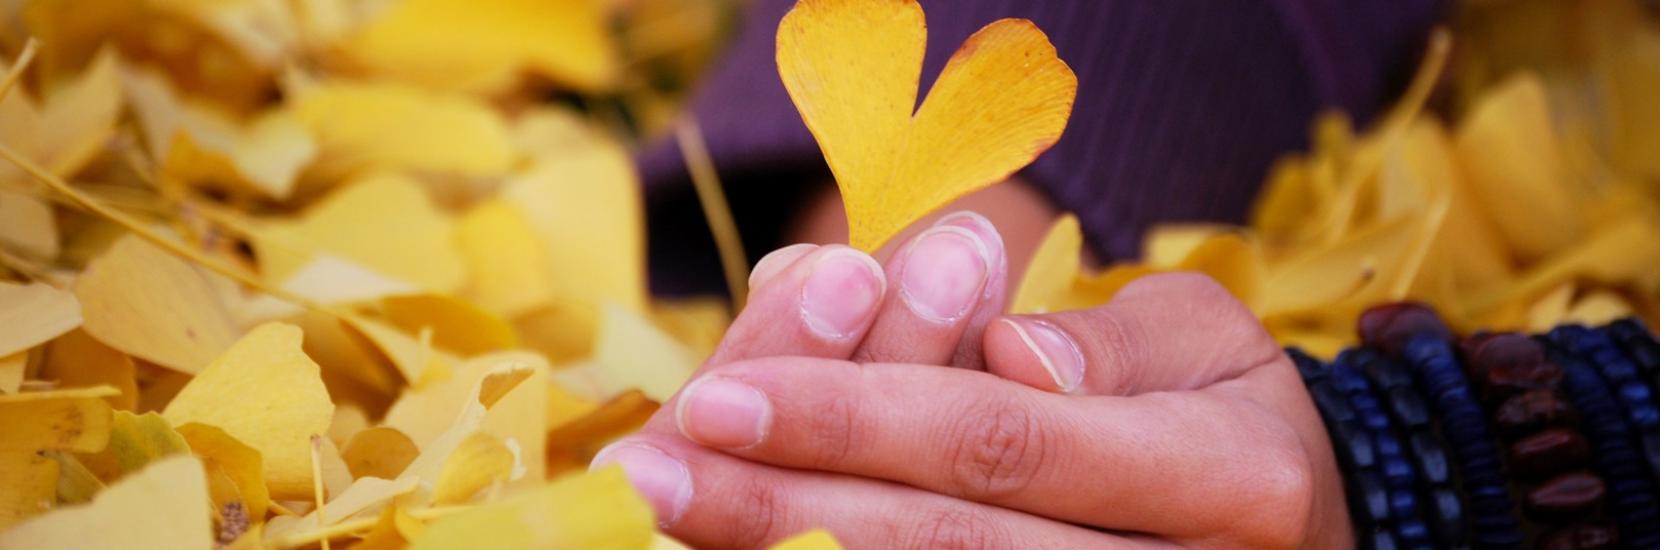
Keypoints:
(716, 210)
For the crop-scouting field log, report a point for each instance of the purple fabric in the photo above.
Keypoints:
(1182, 105)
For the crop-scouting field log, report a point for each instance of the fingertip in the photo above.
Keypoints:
(776, 262)
(1034, 353)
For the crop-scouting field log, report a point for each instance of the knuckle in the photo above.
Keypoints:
(1280, 484)
(833, 430)
(757, 520)
(996, 450)
(1119, 346)
(956, 529)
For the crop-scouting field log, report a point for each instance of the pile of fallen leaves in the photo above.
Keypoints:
(278, 273)
(1539, 204)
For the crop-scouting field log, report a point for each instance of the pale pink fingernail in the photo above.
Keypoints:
(945, 268)
(664, 481)
(841, 293)
(1054, 349)
(776, 261)
(981, 227)
(723, 413)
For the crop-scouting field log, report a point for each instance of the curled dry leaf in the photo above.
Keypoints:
(163, 506)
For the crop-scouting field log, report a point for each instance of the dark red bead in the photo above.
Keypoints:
(1504, 381)
(1549, 452)
(1581, 537)
(1531, 411)
(1389, 326)
(1489, 351)
(1565, 496)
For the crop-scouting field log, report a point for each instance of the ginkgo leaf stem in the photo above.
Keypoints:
(715, 209)
(24, 59)
(156, 238)
(317, 485)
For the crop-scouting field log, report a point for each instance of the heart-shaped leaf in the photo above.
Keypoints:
(853, 67)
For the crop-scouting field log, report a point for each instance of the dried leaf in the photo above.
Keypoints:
(512, 272)
(27, 225)
(365, 126)
(611, 516)
(33, 314)
(488, 43)
(76, 360)
(11, 371)
(585, 204)
(163, 507)
(235, 471)
(266, 393)
(1508, 149)
(853, 67)
(380, 451)
(135, 441)
(71, 420)
(28, 486)
(480, 461)
(384, 222)
(197, 142)
(149, 304)
(518, 417)
(456, 325)
(630, 353)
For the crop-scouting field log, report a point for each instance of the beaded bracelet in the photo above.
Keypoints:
(1382, 483)
(1631, 494)
(1443, 508)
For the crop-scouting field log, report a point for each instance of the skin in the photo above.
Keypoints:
(1167, 417)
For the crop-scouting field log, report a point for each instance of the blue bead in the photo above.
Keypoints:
(1430, 457)
(1372, 497)
(1412, 531)
(1398, 472)
(1402, 503)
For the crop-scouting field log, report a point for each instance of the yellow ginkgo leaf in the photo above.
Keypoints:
(77, 360)
(381, 451)
(853, 67)
(817, 539)
(27, 225)
(1598, 308)
(572, 444)
(630, 353)
(1549, 310)
(135, 441)
(33, 314)
(1368, 259)
(373, 126)
(509, 270)
(481, 460)
(152, 305)
(1508, 148)
(265, 392)
(71, 420)
(585, 204)
(196, 143)
(364, 495)
(1165, 246)
(487, 44)
(611, 515)
(456, 325)
(11, 371)
(384, 222)
(1232, 260)
(65, 130)
(235, 471)
(162, 507)
(518, 417)
(1055, 280)
(28, 486)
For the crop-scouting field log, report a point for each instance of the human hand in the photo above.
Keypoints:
(1206, 441)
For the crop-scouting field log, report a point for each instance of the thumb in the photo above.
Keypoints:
(1166, 332)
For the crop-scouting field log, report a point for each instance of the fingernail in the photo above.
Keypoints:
(723, 413)
(981, 227)
(1054, 349)
(776, 261)
(944, 270)
(841, 293)
(663, 480)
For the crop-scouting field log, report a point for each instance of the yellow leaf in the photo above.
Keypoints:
(572, 444)
(564, 406)
(380, 451)
(72, 420)
(407, 353)
(1166, 246)
(1508, 150)
(611, 516)
(371, 126)
(265, 392)
(1550, 309)
(147, 303)
(197, 143)
(1054, 279)
(364, 495)
(586, 206)
(77, 360)
(507, 259)
(349, 419)
(65, 131)
(498, 384)
(235, 471)
(457, 326)
(163, 507)
(33, 314)
(1619, 251)
(11, 371)
(1598, 308)
(817, 539)
(852, 68)
(76, 484)
(1468, 244)
(28, 486)
(486, 44)
(698, 323)
(1366, 259)
(135, 441)
(480, 461)
(1233, 261)
(631, 353)
(27, 225)
(384, 222)
(518, 417)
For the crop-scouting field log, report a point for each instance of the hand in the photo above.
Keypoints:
(908, 455)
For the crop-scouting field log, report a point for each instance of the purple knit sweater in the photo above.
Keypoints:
(1182, 105)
